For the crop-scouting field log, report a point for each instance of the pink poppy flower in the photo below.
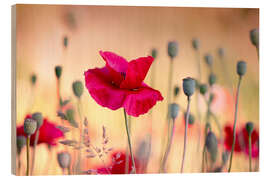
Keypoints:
(48, 133)
(118, 164)
(241, 141)
(120, 84)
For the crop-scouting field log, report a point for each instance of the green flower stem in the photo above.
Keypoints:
(27, 155)
(129, 142)
(205, 133)
(185, 136)
(258, 52)
(168, 147)
(197, 99)
(34, 151)
(249, 152)
(168, 117)
(127, 159)
(81, 136)
(235, 120)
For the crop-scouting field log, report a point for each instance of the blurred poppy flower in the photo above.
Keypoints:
(48, 133)
(120, 84)
(118, 164)
(241, 141)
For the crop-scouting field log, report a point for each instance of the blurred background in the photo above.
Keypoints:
(133, 32)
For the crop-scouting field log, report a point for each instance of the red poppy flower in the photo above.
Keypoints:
(120, 84)
(48, 133)
(118, 164)
(241, 141)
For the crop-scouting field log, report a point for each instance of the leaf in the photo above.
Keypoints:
(61, 115)
(69, 142)
(63, 103)
(63, 129)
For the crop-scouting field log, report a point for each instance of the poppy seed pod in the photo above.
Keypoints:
(30, 126)
(203, 89)
(39, 118)
(254, 37)
(221, 52)
(191, 118)
(212, 145)
(189, 86)
(33, 79)
(154, 53)
(65, 41)
(241, 68)
(77, 87)
(176, 91)
(21, 142)
(249, 127)
(172, 49)
(64, 159)
(58, 71)
(195, 43)
(212, 79)
(174, 110)
(208, 59)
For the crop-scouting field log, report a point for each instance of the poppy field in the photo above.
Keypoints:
(136, 90)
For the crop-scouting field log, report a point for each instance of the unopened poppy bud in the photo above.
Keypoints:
(65, 41)
(30, 126)
(221, 52)
(58, 71)
(176, 91)
(189, 86)
(33, 79)
(21, 142)
(64, 159)
(172, 49)
(211, 145)
(208, 59)
(195, 43)
(77, 87)
(39, 118)
(212, 79)
(154, 53)
(191, 118)
(203, 89)
(241, 68)
(254, 37)
(174, 110)
(249, 127)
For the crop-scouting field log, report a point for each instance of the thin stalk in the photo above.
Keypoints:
(27, 155)
(127, 158)
(34, 152)
(258, 52)
(197, 100)
(235, 120)
(249, 152)
(185, 136)
(81, 135)
(129, 142)
(168, 148)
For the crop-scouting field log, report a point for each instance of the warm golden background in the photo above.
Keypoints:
(131, 32)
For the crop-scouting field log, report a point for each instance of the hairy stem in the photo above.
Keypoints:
(127, 159)
(235, 121)
(129, 142)
(185, 136)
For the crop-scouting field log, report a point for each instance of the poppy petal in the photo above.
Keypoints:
(116, 65)
(136, 72)
(140, 101)
(102, 90)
